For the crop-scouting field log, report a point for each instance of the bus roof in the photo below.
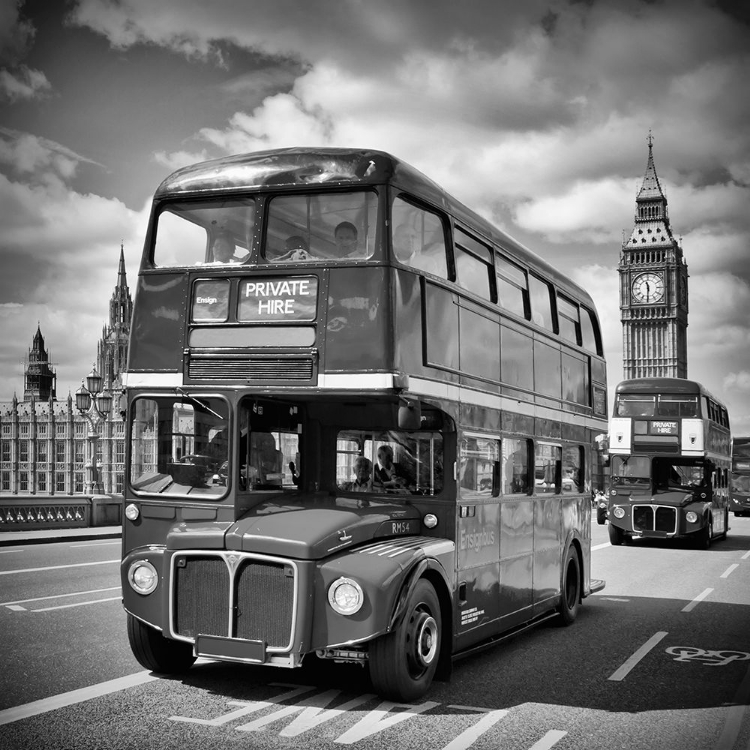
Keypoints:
(664, 385)
(302, 167)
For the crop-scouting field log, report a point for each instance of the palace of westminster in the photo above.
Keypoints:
(44, 441)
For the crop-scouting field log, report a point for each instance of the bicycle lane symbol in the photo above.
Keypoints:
(706, 657)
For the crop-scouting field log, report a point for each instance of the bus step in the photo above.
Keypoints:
(596, 585)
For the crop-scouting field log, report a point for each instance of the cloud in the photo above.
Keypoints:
(60, 252)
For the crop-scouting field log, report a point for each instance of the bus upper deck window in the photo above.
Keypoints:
(194, 233)
(329, 226)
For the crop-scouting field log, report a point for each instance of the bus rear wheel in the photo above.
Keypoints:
(570, 600)
(157, 653)
(403, 662)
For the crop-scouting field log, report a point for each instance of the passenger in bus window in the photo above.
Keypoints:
(223, 249)
(387, 473)
(265, 459)
(405, 242)
(345, 237)
(295, 248)
(362, 476)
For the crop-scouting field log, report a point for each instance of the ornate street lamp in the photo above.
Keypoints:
(94, 403)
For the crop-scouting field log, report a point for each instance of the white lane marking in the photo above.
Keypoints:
(9, 715)
(728, 571)
(469, 736)
(698, 599)
(746, 555)
(613, 599)
(621, 673)
(58, 596)
(16, 608)
(97, 544)
(78, 604)
(381, 718)
(6, 551)
(58, 567)
(601, 546)
(551, 738)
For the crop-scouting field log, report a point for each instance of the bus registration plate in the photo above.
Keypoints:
(214, 646)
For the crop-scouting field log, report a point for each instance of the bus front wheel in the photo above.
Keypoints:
(570, 600)
(157, 653)
(616, 535)
(403, 662)
(705, 535)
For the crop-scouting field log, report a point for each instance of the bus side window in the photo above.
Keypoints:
(515, 467)
(418, 238)
(477, 462)
(547, 468)
(541, 303)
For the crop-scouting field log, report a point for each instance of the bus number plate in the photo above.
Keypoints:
(214, 646)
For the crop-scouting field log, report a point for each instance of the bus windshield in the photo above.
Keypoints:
(179, 446)
(630, 470)
(651, 405)
(308, 227)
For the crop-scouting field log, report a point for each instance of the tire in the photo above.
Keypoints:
(616, 535)
(157, 653)
(570, 600)
(705, 535)
(403, 662)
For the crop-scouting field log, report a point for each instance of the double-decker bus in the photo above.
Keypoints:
(670, 454)
(360, 423)
(739, 493)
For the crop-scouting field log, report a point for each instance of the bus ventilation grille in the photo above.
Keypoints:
(243, 367)
(263, 600)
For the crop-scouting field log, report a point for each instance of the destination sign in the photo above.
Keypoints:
(269, 299)
(663, 428)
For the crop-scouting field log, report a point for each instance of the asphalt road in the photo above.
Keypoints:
(659, 659)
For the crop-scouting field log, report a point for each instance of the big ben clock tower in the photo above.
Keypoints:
(653, 289)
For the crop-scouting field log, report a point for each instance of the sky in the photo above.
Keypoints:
(535, 113)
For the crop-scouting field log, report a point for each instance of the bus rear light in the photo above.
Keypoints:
(142, 577)
(345, 596)
(691, 516)
(619, 512)
(132, 512)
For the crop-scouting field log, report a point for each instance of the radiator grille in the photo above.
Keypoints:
(249, 367)
(201, 599)
(263, 593)
(265, 596)
(654, 518)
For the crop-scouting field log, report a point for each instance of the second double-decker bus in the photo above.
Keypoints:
(739, 491)
(670, 454)
(360, 423)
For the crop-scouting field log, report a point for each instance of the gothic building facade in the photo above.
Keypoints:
(653, 288)
(43, 440)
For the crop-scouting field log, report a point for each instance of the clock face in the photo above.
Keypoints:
(648, 287)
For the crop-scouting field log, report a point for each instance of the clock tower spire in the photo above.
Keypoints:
(653, 288)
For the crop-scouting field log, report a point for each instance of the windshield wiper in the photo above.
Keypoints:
(198, 402)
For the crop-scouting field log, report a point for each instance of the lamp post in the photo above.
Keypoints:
(94, 403)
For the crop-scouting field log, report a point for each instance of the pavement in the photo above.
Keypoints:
(23, 536)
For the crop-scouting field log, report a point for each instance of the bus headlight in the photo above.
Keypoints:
(691, 516)
(132, 512)
(619, 512)
(142, 577)
(345, 596)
